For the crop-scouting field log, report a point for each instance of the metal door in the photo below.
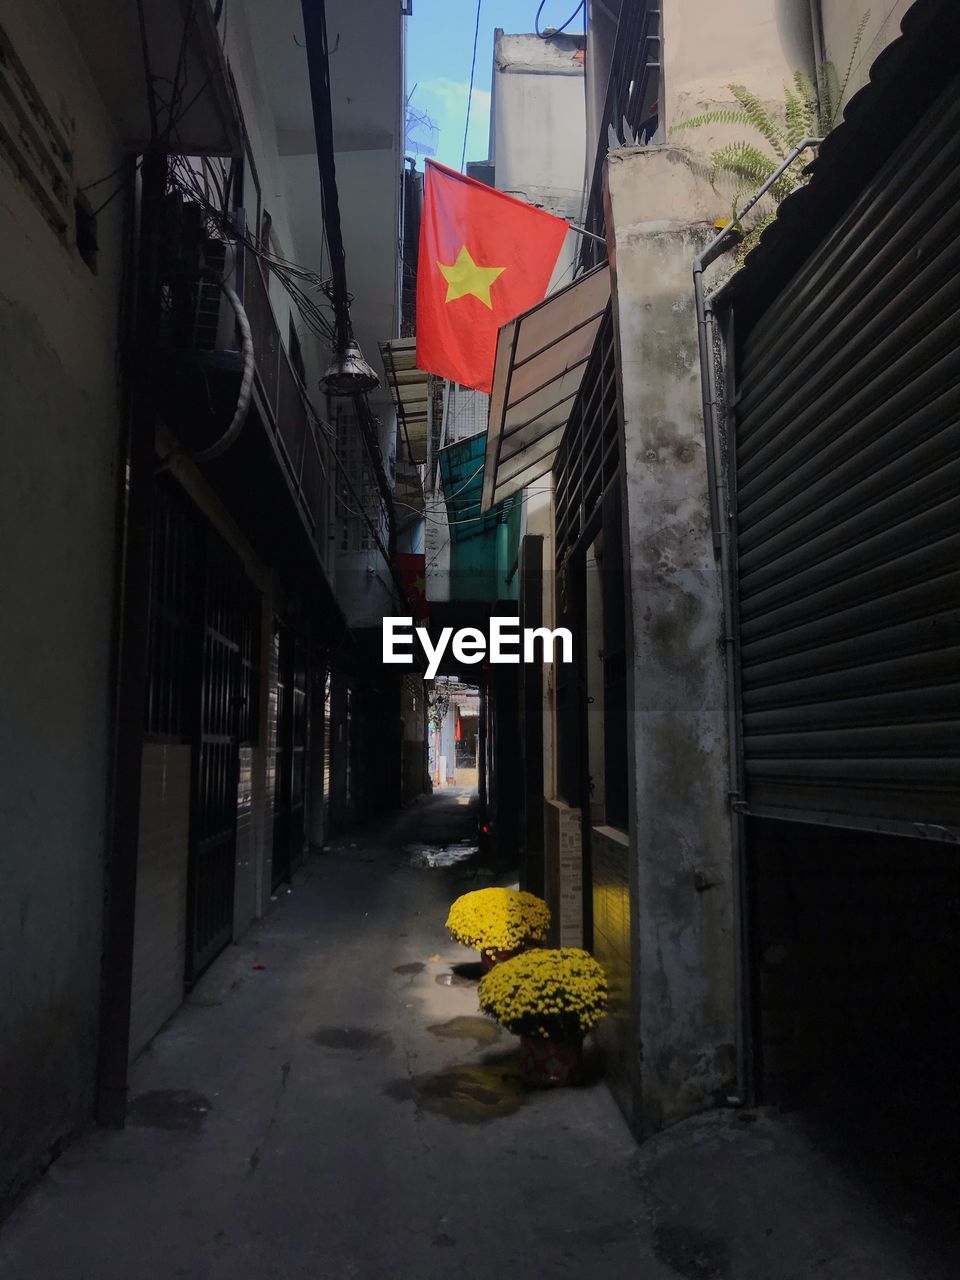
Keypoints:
(213, 817)
(847, 469)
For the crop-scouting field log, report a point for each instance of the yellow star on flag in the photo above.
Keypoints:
(464, 277)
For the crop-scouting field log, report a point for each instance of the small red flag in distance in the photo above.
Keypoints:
(412, 569)
(484, 258)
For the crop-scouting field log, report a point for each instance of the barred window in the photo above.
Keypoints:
(356, 481)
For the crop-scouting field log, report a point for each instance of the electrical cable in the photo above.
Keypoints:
(106, 178)
(554, 31)
(186, 179)
(473, 67)
(109, 200)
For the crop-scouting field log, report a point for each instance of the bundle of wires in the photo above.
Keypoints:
(195, 185)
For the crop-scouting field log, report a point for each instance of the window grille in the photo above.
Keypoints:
(467, 412)
(356, 477)
(250, 610)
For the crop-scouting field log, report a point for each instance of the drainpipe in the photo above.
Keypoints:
(720, 518)
(819, 41)
(135, 525)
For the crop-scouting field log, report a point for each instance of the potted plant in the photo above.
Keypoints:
(498, 922)
(550, 998)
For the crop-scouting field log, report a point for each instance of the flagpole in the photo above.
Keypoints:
(582, 231)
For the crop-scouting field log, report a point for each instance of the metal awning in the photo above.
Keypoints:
(461, 468)
(541, 358)
(410, 388)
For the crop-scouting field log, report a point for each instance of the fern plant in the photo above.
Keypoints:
(808, 111)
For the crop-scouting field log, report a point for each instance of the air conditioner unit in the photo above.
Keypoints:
(215, 322)
(198, 315)
(200, 367)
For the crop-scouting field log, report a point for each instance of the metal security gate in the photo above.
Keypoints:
(846, 442)
(227, 712)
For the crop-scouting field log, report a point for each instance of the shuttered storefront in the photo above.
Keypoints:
(846, 442)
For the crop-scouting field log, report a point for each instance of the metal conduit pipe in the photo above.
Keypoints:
(720, 516)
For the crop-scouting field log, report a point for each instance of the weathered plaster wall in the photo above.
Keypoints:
(755, 43)
(658, 217)
(841, 18)
(538, 127)
(59, 419)
(610, 866)
(563, 873)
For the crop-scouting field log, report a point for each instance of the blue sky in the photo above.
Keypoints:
(439, 47)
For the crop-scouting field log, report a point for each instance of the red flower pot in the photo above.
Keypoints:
(546, 1064)
(489, 958)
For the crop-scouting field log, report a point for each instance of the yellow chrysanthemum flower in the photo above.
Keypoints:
(553, 993)
(498, 919)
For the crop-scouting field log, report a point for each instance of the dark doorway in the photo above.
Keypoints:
(856, 939)
(213, 807)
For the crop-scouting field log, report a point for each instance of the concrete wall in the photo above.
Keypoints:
(161, 910)
(563, 873)
(58, 488)
(840, 20)
(658, 216)
(755, 43)
(610, 867)
(537, 127)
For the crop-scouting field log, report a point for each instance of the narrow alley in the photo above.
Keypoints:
(329, 1103)
(479, 699)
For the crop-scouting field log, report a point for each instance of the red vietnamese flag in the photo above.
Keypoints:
(484, 258)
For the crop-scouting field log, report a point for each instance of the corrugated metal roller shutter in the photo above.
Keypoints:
(847, 472)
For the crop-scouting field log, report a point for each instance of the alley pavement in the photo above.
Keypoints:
(330, 1104)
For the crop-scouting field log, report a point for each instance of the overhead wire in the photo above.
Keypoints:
(473, 67)
(554, 31)
(287, 272)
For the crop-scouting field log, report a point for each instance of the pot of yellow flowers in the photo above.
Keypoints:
(550, 998)
(498, 922)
